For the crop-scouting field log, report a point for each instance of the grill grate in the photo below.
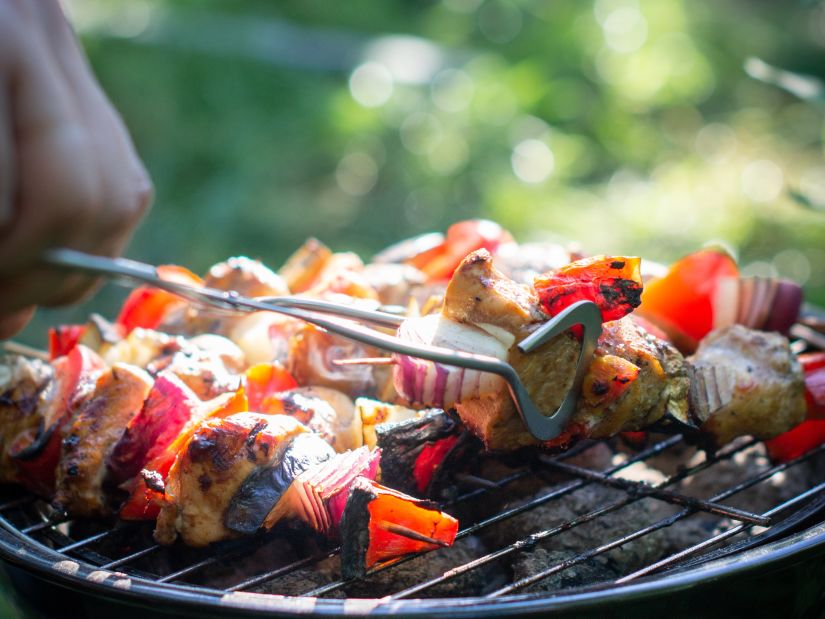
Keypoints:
(114, 547)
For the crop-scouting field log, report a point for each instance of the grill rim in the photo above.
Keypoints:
(20, 551)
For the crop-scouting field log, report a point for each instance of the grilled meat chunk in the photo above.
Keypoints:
(211, 469)
(745, 382)
(94, 431)
(24, 389)
(481, 295)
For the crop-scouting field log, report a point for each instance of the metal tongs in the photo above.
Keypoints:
(344, 320)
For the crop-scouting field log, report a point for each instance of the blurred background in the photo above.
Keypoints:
(645, 127)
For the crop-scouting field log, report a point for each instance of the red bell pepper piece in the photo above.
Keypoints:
(63, 338)
(811, 432)
(463, 237)
(813, 364)
(36, 453)
(614, 283)
(794, 443)
(164, 414)
(430, 458)
(262, 382)
(147, 306)
(681, 302)
(146, 490)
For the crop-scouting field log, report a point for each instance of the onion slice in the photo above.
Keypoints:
(428, 383)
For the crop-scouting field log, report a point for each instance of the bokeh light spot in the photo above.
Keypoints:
(371, 84)
(533, 161)
(452, 90)
(356, 174)
(762, 181)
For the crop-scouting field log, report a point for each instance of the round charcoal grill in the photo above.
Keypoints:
(89, 569)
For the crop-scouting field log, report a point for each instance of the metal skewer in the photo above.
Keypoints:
(344, 320)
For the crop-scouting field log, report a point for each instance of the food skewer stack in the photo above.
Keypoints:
(218, 426)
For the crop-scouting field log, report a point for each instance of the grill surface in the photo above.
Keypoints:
(125, 551)
(122, 556)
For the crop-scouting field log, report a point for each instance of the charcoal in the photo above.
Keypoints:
(589, 572)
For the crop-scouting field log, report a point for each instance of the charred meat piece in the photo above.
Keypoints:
(212, 467)
(36, 452)
(25, 385)
(745, 382)
(381, 525)
(325, 411)
(94, 431)
(146, 490)
(480, 295)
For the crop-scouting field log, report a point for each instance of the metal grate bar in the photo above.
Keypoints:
(533, 539)
(46, 524)
(664, 522)
(131, 557)
(85, 542)
(283, 571)
(520, 474)
(676, 557)
(557, 493)
(644, 490)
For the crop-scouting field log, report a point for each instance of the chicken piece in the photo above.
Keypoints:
(745, 382)
(94, 431)
(394, 283)
(342, 273)
(480, 295)
(211, 469)
(208, 364)
(201, 370)
(247, 277)
(24, 391)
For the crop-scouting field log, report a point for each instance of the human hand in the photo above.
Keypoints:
(69, 174)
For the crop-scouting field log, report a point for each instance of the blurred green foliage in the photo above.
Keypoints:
(628, 125)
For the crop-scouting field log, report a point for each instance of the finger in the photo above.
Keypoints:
(125, 186)
(56, 187)
(14, 323)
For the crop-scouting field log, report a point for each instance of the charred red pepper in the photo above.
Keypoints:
(381, 525)
(419, 453)
(147, 306)
(607, 378)
(614, 283)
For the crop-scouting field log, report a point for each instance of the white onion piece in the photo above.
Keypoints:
(433, 384)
